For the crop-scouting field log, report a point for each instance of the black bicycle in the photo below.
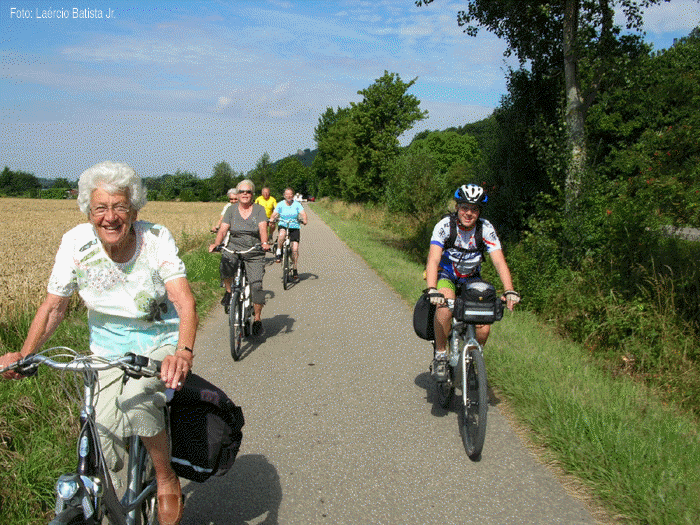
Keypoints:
(475, 304)
(241, 313)
(87, 495)
(287, 267)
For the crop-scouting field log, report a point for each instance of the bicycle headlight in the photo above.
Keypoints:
(67, 486)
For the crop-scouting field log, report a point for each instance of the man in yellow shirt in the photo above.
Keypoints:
(269, 203)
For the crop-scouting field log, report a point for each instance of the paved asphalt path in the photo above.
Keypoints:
(342, 426)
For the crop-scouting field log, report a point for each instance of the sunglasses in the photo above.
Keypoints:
(249, 192)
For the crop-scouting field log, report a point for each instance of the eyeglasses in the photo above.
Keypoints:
(249, 192)
(119, 209)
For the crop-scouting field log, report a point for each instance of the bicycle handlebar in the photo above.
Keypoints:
(450, 303)
(134, 365)
(221, 248)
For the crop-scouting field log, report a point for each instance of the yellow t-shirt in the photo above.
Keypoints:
(268, 204)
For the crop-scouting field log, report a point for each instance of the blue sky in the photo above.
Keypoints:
(184, 85)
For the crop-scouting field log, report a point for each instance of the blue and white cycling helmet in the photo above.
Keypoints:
(471, 194)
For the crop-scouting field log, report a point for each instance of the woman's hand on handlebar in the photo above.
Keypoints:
(174, 369)
(7, 360)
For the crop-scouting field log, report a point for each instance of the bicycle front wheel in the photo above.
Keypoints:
(474, 405)
(285, 269)
(235, 321)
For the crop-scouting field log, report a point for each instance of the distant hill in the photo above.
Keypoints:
(306, 156)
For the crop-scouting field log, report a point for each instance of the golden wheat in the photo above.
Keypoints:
(32, 233)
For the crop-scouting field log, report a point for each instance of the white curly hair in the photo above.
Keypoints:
(114, 177)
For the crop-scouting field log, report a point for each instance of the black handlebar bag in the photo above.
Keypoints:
(205, 430)
(423, 318)
(478, 303)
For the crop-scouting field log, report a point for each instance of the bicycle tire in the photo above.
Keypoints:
(474, 406)
(285, 269)
(235, 321)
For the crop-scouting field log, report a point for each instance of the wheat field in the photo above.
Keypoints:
(33, 229)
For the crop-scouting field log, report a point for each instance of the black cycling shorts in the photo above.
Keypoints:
(294, 233)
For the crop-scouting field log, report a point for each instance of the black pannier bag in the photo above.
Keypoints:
(478, 303)
(205, 430)
(423, 315)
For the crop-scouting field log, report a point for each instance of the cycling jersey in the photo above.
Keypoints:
(456, 264)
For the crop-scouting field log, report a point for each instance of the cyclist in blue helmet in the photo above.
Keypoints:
(455, 258)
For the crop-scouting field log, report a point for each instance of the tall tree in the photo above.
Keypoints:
(560, 34)
(385, 112)
(332, 144)
(261, 174)
(221, 180)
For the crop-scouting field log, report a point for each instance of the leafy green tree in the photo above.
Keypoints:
(559, 36)
(648, 131)
(291, 173)
(447, 149)
(336, 145)
(61, 182)
(261, 175)
(221, 180)
(325, 165)
(18, 183)
(356, 146)
(384, 114)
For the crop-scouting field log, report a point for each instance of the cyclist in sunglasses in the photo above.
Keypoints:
(246, 224)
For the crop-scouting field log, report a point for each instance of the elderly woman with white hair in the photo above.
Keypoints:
(138, 299)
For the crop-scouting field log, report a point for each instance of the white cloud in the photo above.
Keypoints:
(676, 16)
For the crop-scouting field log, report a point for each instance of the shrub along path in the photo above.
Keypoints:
(341, 420)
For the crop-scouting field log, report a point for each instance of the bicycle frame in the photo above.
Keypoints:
(463, 356)
(88, 494)
(240, 284)
(96, 480)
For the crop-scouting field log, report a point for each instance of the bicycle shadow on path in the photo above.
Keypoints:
(250, 493)
(272, 326)
(426, 382)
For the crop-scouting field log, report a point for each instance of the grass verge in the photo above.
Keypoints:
(636, 456)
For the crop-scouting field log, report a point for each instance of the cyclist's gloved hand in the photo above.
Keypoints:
(435, 297)
(512, 298)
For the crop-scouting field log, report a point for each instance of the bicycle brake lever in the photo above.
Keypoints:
(136, 363)
(26, 368)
